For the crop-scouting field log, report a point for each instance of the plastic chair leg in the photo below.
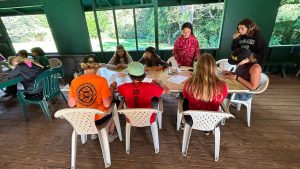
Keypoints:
(186, 139)
(63, 97)
(298, 73)
(179, 117)
(159, 119)
(23, 107)
(155, 137)
(128, 128)
(46, 111)
(248, 106)
(83, 138)
(117, 123)
(103, 138)
(217, 143)
(73, 150)
(238, 106)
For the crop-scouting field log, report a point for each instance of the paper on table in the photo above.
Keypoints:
(178, 79)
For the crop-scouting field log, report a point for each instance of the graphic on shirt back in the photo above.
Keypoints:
(86, 94)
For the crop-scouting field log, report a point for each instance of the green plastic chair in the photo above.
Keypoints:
(49, 81)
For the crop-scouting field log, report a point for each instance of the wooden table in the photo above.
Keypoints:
(121, 78)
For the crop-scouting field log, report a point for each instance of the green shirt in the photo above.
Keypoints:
(43, 60)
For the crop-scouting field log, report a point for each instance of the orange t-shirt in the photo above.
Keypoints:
(89, 92)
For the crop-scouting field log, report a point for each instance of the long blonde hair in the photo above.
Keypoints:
(205, 85)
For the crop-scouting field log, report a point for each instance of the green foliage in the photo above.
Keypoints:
(27, 28)
(287, 27)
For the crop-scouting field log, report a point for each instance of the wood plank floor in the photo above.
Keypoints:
(272, 141)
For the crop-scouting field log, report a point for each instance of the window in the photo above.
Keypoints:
(145, 27)
(206, 20)
(107, 30)
(29, 31)
(125, 24)
(287, 26)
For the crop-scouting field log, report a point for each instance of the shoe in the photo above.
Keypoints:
(94, 136)
(7, 95)
(206, 133)
(112, 137)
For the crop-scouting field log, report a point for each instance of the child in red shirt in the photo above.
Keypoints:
(140, 94)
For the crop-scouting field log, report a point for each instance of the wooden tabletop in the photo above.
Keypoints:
(121, 78)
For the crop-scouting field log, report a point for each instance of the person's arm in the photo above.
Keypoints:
(160, 83)
(111, 63)
(72, 102)
(176, 51)
(235, 41)
(255, 72)
(15, 72)
(197, 52)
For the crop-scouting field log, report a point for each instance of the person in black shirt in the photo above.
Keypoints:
(248, 36)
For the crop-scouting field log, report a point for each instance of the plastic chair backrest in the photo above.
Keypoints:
(263, 84)
(224, 65)
(138, 117)
(81, 119)
(172, 61)
(55, 62)
(206, 120)
(49, 81)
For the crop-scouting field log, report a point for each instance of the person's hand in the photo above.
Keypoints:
(158, 68)
(113, 85)
(156, 81)
(231, 76)
(226, 72)
(147, 68)
(236, 35)
(119, 66)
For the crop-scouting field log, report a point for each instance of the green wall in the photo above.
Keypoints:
(263, 12)
(6, 48)
(68, 25)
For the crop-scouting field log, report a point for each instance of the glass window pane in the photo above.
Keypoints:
(145, 27)
(107, 27)
(91, 24)
(107, 30)
(29, 31)
(287, 26)
(206, 20)
(125, 25)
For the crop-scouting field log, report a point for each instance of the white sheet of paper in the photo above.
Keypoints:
(178, 79)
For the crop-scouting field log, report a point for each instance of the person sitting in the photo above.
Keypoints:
(92, 91)
(23, 53)
(204, 90)
(248, 71)
(120, 59)
(12, 90)
(152, 61)
(136, 93)
(28, 70)
(39, 55)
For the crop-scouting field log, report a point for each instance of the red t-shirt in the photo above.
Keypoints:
(195, 104)
(139, 95)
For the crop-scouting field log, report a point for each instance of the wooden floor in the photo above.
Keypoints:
(272, 141)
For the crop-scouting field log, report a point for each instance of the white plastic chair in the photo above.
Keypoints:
(224, 65)
(263, 85)
(55, 62)
(204, 121)
(172, 61)
(83, 123)
(140, 117)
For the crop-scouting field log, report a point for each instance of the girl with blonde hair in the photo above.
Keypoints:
(204, 90)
